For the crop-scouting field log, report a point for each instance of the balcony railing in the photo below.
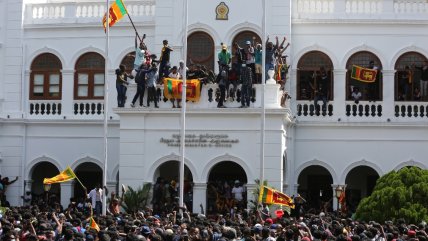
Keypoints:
(360, 9)
(88, 107)
(44, 108)
(83, 12)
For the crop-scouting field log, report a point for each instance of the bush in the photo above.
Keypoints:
(402, 194)
(135, 200)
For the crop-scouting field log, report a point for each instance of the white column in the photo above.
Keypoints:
(111, 186)
(28, 185)
(339, 8)
(339, 89)
(388, 93)
(388, 8)
(251, 189)
(293, 90)
(67, 93)
(67, 190)
(199, 197)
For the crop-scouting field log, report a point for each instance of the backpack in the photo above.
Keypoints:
(140, 77)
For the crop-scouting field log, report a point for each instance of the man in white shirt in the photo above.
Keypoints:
(96, 196)
(237, 192)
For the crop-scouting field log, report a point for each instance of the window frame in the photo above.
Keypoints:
(209, 59)
(348, 67)
(46, 72)
(91, 78)
(329, 69)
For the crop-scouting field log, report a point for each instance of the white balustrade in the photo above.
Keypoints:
(414, 110)
(315, 6)
(364, 6)
(88, 107)
(410, 6)
(83, 10)
(44, 107)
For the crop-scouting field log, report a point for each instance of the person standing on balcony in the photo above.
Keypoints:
(140, 52)
(140, 80)
(247, 83)
(321, 89)
(372, 89)
(258, 63)
(249, 52)
(424, 79)
(164, 60)
(121, 83)
(152, 77)
(270, 56)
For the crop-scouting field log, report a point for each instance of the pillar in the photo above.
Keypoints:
(112, 187)
(335, 201)
(199, 197)
(388, 93)
(67, 96)
(339, 106)
(251, 189)
(67, 191)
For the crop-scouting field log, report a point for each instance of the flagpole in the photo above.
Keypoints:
(263, 120)
(106, 93)
(183, 107)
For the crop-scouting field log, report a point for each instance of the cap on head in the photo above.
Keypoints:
(248, 42)
(224, 47)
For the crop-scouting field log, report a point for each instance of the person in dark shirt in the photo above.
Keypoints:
(121, 83)
(321, 88)
(247, 82)
(164, 60)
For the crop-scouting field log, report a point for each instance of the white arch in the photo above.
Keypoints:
(316, 47)
(412, 163)
(44, 50)
(172, 157)
(367, 48)
(315, 162)
(363, 162)
(33, 163)
(201, 27)
(79, 53)
(410, 48)
(122, 55)
(114, 172)
(226, 157)
(88, 159)
(245, 26)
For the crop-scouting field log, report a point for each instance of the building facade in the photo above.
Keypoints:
(52, 65)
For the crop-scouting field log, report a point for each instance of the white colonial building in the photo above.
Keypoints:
(52, 65)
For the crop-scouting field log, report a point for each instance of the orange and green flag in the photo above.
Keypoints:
(173, 89)
(64, 176)
(363, 74)
(93, 224)
(271, 196)
(117, 11)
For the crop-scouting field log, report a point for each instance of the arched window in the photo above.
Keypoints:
(200, 49)
(370, 91)
(407, 78)
(243, 37)
(89, 77)
(45, 78)
(308, 68)
(128, 61)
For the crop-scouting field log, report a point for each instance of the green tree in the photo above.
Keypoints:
(398, 194)
(135, 200)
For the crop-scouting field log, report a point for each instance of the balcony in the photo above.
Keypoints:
(306, 10)
(83, 12)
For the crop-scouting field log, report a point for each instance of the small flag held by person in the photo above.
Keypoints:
(363, 74)
(64, 176)
(271, 196)
(93, 224)
(117, 11)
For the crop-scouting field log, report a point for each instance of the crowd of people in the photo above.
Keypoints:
(149, 72)
(52, 222)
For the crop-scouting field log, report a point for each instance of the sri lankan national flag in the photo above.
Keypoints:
(173, 88)
(117, 11)
(363, 74)
(271, 196)
(64, 176)
(93, 224)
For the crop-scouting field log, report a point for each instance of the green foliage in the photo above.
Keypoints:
(402, 194)
(135, 200)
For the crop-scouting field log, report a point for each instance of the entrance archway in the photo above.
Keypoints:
(90, 174)
(360, 182)
(40, 171)
(315, 187)
(167, 175)
(222, 177)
